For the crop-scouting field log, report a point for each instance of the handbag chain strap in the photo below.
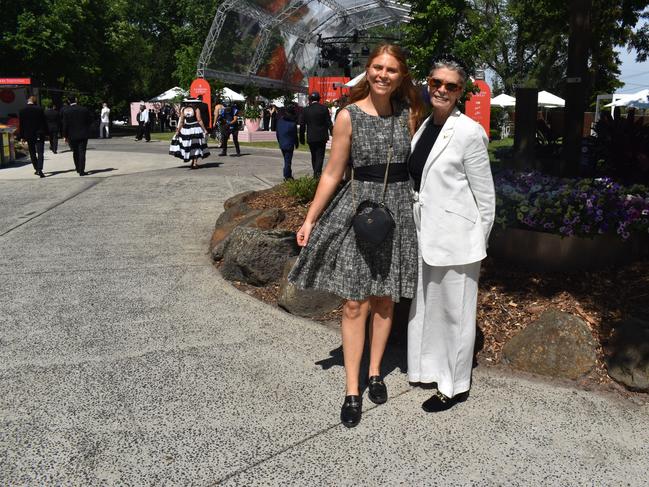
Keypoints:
(387, 166)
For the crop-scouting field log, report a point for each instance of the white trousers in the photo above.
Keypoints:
(104, 126)
(442, 325)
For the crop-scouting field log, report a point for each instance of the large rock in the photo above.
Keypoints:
(262, 219)
(304, 302)
(557, 344)
(256, 256)
(628, 354)
(238, 199)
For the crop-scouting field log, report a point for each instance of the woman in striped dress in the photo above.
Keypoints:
(190, 141)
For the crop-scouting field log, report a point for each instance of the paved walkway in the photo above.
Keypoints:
(126, 360)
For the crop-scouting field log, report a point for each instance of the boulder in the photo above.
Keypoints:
(256, 256)
(238, 199)
(232, 213)
(304, 302)
(262, 219)
(628, 354)
(557, 344)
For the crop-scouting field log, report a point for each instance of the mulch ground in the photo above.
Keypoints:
(510, 298)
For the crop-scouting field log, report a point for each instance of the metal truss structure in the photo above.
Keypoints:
(297, 24)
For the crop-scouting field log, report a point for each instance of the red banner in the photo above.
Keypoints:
(201, 87)
(330, 88)
(15, 81)
(478, 107)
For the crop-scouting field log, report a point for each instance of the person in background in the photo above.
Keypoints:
(454, 208)
(165, 111)
(53, 118)
(229, 119)
(205, 113)
(316, 123)
(104, 122)
(287, 137)
(76, 130)
(273, 118)
(190, 141)
(33, 129)
(265, 117)
(216, 121)
(143, 127)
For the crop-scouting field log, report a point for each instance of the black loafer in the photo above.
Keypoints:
(378, 393)
(350, 413)
(439, 402)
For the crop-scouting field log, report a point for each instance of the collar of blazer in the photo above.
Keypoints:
(441, 142)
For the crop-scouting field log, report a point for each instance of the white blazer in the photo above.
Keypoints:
(456, 200)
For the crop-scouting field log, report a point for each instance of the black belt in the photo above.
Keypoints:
(376, 173)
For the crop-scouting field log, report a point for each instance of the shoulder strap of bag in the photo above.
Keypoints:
(387, 166)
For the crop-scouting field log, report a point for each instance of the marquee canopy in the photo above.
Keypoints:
(278, 44)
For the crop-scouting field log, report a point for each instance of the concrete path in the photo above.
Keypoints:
(126, 360)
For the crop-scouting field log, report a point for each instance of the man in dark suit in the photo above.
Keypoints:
(316, 122)
(33, 129)
(76, 129)
(205, 114)
(53, 118)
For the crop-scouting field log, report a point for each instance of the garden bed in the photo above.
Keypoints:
(510, 298)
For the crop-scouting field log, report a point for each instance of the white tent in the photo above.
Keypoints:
(232, 95)
(170, 94)
(634, 100)
(355, 81)
(503, 101)
(548, 100)
(279, 102)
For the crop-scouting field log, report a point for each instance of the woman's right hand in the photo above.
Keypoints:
(303, 234)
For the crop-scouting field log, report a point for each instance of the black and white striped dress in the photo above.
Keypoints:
(190, 143)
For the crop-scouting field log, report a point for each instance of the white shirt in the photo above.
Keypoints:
(105, 115)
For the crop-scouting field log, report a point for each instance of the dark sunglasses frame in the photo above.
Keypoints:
(438, 83)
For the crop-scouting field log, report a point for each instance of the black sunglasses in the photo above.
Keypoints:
(438, 83)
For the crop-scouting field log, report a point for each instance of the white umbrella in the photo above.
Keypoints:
(547, 99)
(635, 100)
(503, 101)
(355, 81)
(170, 94)
(233, 95)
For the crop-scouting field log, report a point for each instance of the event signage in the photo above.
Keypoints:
(330, 88)
(478, 107)
(15, 81)
(201, 87)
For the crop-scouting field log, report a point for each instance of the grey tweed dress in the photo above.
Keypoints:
(334, 259)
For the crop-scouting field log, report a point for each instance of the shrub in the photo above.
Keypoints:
(303, 189)
(582, 207)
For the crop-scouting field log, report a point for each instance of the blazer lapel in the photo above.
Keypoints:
(442, 141)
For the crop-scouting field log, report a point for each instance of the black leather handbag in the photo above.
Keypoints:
(373, 221)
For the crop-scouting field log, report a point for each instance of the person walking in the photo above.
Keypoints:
(33, 129)
(273, 118)
(53, 118)
(204, 109)
(76, 130)
(265, 118)
(373, 135)
(190, 141)
(316, 123)
(454, 211)
(104, 122)
(287, 137)
(165, 111)
(143, 127)
(229, 119)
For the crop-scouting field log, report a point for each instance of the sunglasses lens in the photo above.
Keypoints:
(435, 83)
(452, 87)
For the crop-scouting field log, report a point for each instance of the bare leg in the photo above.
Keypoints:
(382, 310)
(353, 332)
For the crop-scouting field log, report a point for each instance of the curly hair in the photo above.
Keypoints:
(407, 93)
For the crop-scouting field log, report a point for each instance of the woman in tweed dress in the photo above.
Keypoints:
(384, 111)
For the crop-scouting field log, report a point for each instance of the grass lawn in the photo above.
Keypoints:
(500, 151)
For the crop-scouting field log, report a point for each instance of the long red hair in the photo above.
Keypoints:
(406, 93)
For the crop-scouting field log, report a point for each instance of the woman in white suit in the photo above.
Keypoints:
(454, 210)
